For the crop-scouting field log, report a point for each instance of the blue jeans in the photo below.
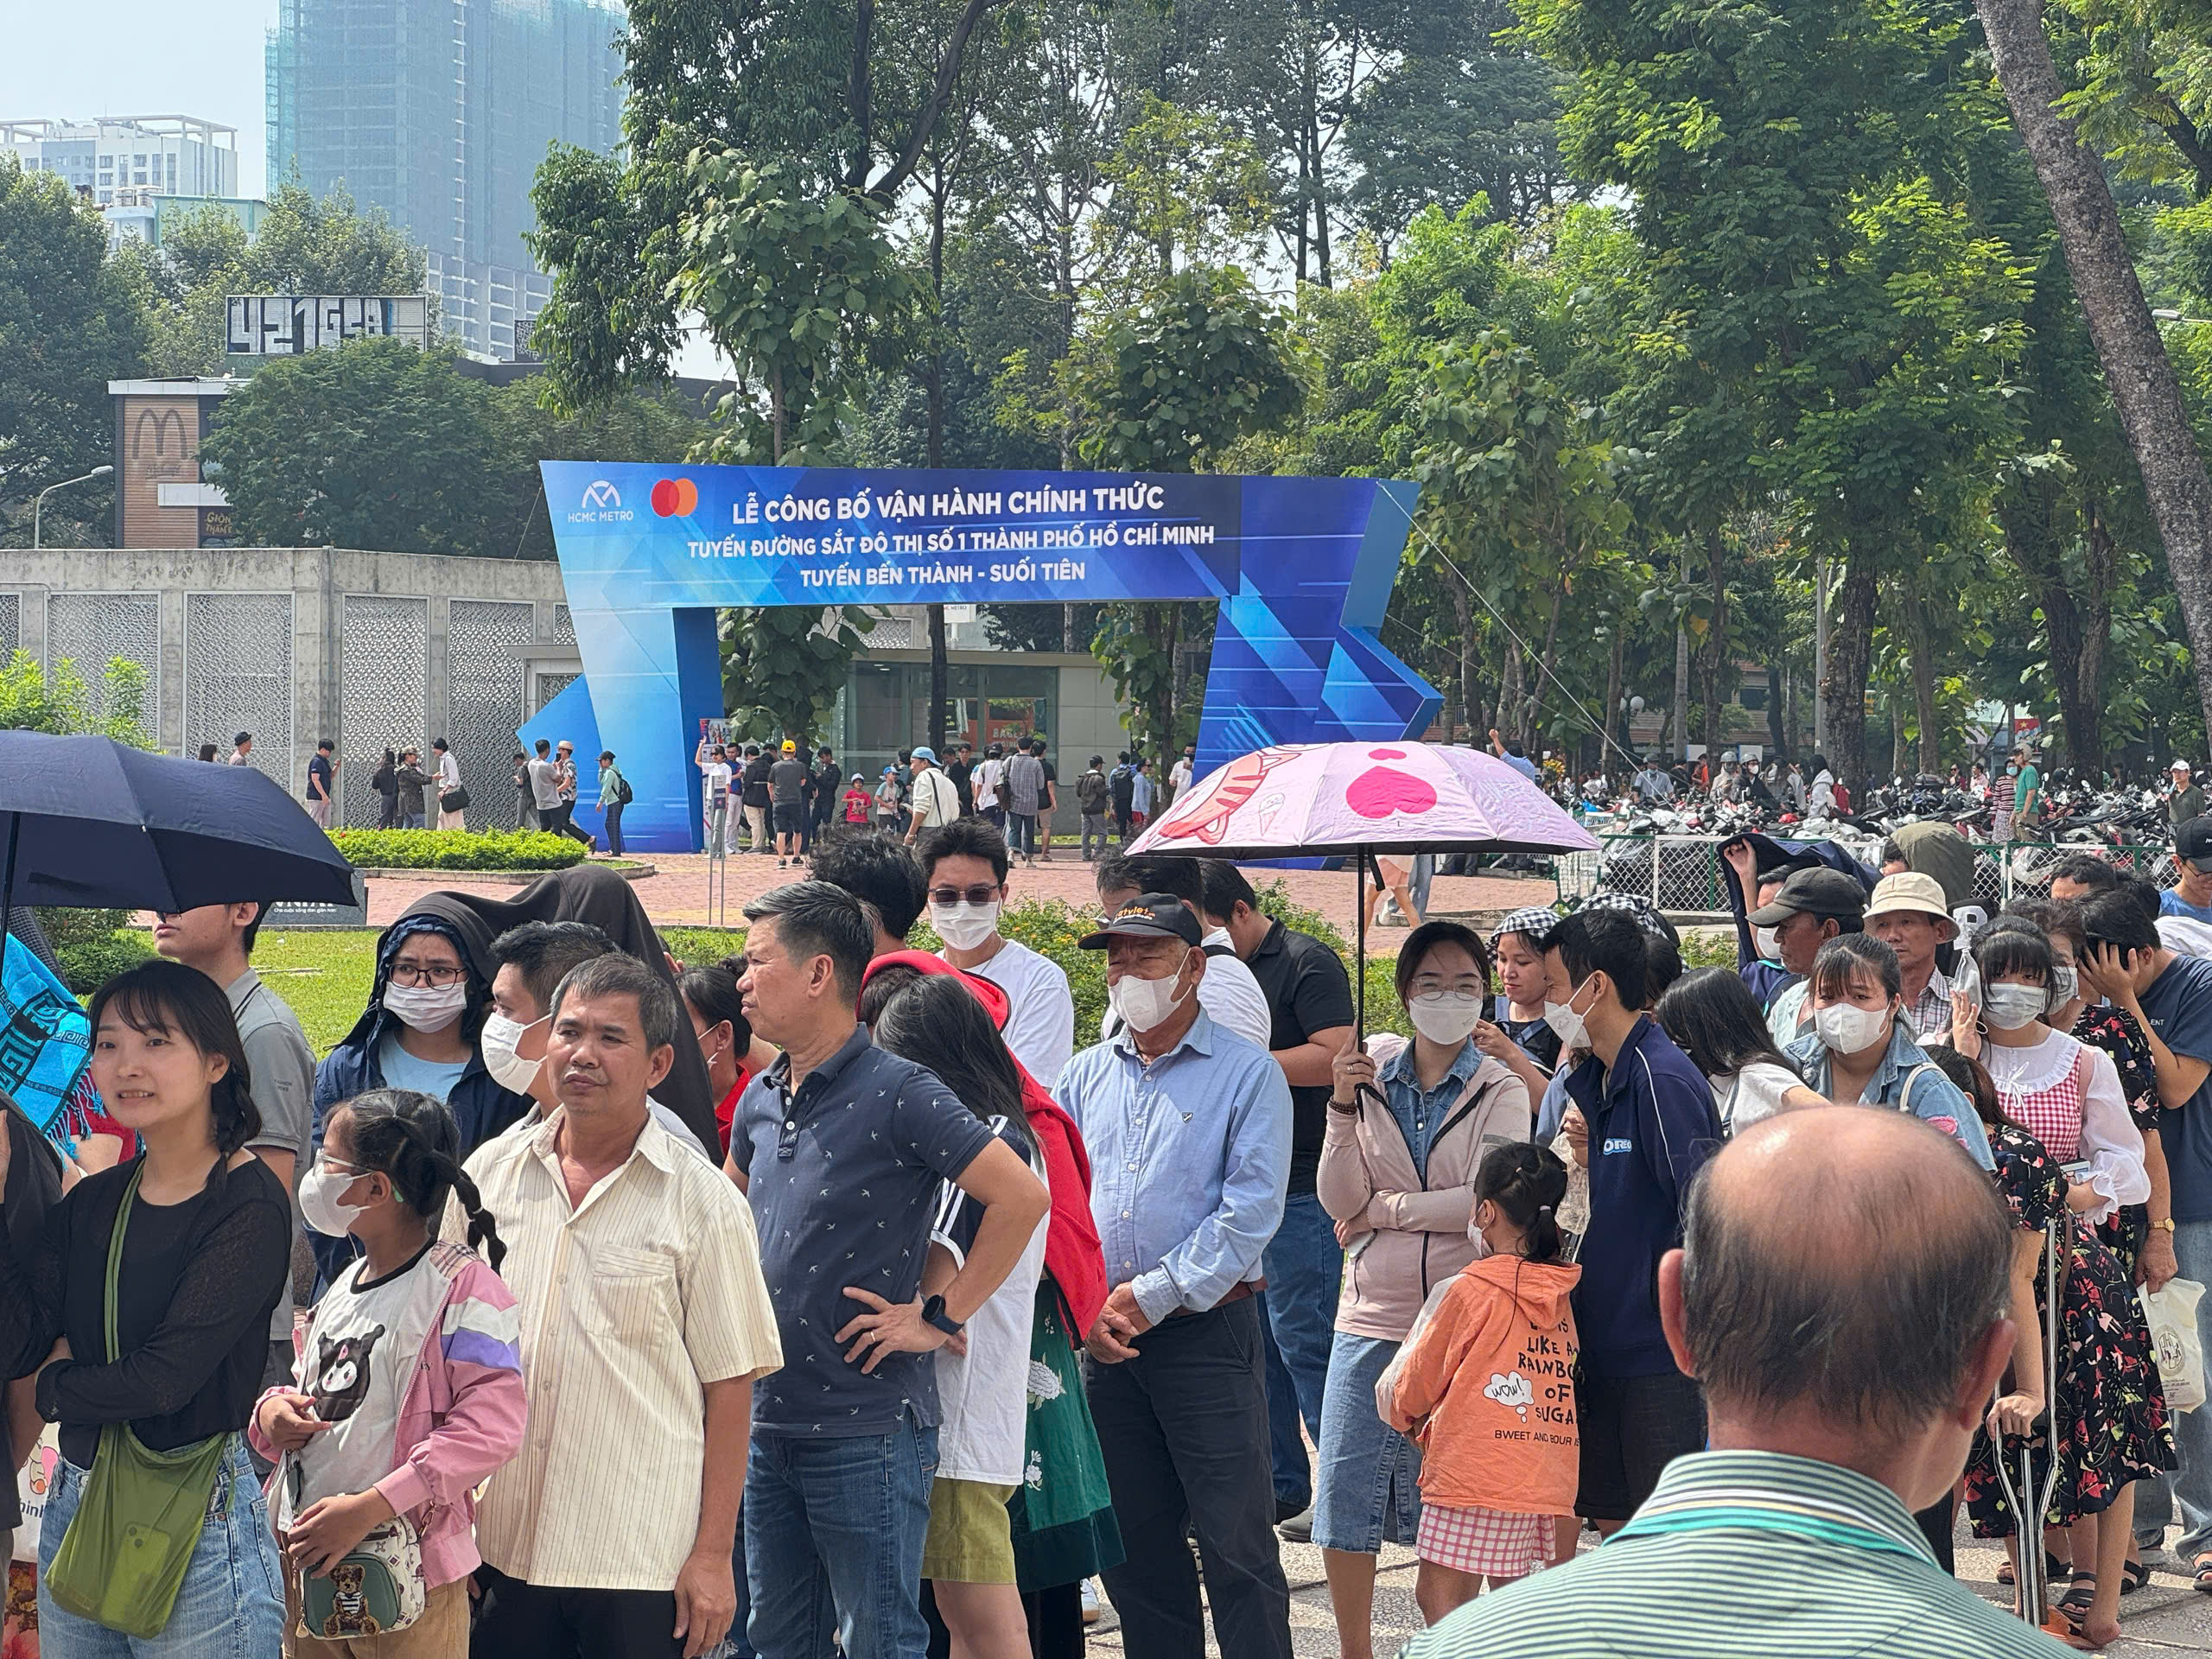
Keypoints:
(833, 1542)
(1368, 1486)
(1305, 1268)
(232, 1603)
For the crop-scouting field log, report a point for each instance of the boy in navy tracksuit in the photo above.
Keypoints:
(1651, 1125)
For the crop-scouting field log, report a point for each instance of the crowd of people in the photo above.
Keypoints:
(832, 1298)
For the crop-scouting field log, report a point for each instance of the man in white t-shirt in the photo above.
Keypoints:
(1229, 995)
(713, 761)
(934, 800)
(1179, 775)
(964, 869)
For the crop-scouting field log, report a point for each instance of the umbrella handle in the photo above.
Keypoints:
(1361, 859)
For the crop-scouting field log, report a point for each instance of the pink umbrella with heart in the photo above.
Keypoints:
(1300, 800)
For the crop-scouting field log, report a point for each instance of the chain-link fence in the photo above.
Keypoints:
(1684, 874)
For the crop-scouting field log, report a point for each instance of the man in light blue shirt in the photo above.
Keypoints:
(1188, 1126)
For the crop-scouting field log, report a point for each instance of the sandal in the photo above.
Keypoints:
(2133, 1575)
(2202, 1570)
(2074, 1605)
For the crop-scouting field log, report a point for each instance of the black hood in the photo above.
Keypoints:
(594, 894)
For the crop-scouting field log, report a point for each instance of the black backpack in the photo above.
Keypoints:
(1123, 782)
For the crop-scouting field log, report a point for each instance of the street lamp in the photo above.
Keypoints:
(39, 505)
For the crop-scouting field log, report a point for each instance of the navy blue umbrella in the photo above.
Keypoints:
(91, 823)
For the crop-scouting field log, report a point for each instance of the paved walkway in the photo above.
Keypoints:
(677, 893)
(2164, 1619)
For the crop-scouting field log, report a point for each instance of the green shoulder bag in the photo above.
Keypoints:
(124, 1556)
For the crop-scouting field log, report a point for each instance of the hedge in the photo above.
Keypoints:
(457, 849)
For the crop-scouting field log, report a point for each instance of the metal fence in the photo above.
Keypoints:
(1684, 874)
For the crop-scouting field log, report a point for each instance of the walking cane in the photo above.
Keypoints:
(2029, 1496)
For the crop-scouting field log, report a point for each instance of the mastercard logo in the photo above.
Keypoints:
(676, 498)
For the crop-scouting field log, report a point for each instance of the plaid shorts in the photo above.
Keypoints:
(1485, 1542)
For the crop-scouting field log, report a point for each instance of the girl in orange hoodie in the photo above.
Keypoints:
(1487, 1387)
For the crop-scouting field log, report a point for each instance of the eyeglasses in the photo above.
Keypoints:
(1434, 985)
(408, 972)
(974, 895)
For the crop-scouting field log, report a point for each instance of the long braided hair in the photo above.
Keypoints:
(412, 1139)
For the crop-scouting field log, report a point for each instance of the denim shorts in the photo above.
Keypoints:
(232, 1603)
(1367, 1488)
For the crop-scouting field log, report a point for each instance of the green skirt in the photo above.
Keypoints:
(1063, 1511)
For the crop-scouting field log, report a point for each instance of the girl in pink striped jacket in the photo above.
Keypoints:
(408, 1391)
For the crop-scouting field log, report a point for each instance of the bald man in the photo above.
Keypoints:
(1793, 1536)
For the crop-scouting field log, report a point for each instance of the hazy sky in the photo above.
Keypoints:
(141, 57)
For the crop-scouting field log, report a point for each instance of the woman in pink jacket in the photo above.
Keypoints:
(408, 1386)
(1408, 1123)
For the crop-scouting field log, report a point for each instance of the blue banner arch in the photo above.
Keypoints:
(1303, 569)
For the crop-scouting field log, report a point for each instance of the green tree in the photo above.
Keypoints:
(303, 246)
(379, 445)
(70, 321)
(1167, 386)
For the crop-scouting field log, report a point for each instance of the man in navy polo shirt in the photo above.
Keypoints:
(842, 1149)
(1650, 1125)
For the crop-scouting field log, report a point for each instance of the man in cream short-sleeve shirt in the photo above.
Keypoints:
(644, 1322)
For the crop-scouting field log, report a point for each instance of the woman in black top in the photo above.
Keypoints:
(206, 1254)
(386, 781)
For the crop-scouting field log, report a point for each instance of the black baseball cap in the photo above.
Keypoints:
(2193, 843)
(1148, 916)
(1821, 891)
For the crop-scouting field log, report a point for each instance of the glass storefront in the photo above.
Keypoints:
(885, 708)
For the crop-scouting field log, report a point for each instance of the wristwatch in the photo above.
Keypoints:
(2164, 1225)
(933, 1313)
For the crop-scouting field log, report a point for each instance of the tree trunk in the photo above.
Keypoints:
(1714, 658)
(2089, 750)
(1615, 668)
(1777, 707)
(1678, 725)
(2134, 356)
(1470, 665)
(1924, 667)
(1850, 648)
(1897, 732)
(1524, 717)
(2028, 516)
(940, 669)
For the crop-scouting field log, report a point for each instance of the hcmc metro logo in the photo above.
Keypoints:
(676, 498)
(602, 505)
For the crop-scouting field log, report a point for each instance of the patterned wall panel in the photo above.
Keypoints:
(550, 686)
(11, 625)
(564, 625)
(484, 702)
(238, 677)
(92, 629)
(383, 700)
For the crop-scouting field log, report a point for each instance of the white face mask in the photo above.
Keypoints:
(1846, 1028)
(2065, 986)
(964, 926)
(1144, 1004)
(1446, 1017)
(1567, 1025)
(497, 1041)
(319, 1204)
(426, 1007)
(2008, 1007)
(1767, 941)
